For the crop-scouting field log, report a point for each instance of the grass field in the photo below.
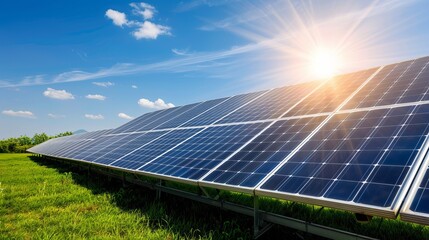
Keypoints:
(41, 199)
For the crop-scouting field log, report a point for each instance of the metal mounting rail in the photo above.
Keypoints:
(260, 216)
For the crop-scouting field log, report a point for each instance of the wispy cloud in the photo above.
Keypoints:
(102, 84)
(122, 69)
(198, 61)
(158, 104)
(125, 116)
(134, 86)
(94, 117)
(58, 94)
(56, 116)
(181, 52)
(146, 29)
(145, 10)
(96, 97)
(23, 114)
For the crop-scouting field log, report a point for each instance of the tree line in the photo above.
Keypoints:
(22, 143)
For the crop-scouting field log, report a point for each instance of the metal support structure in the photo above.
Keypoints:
(124, 180)
(259, 225)
(158, 190)
(259, 215)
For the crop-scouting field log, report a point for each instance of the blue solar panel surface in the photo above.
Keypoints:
(331, 94)
(126, 145)
(154, 149)
(293, 142)
(273, 104)
(397, 83)
(249, 166)
(223, 109)
(185, 117)
(201, 153)
(356, 155)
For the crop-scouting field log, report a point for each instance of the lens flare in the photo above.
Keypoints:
(324, 63)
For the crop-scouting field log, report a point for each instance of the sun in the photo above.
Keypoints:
(324, 63)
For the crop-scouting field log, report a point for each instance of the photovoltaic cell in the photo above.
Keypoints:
(362, 159)
(144, 124)
(85, 151)
(329, 97)
(359, 157)
(273, 104)
(76, 141)
(126, 145)
(146, 118)
(252, 163)
(417, 202)
(223, 109)
(397, 83)
(202, 152)
(179, 120)
(154, 149)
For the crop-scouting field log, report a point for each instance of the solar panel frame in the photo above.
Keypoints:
(284, 116)
(421, 177)
(406, 213)
(213, 139)
(393, 79)
(388, 212)
(421, 160)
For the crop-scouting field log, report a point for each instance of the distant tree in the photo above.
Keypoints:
(68, 133)
(24, 140)
(39, 138)
(22, 143)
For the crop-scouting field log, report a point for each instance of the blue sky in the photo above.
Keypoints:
(68, 65)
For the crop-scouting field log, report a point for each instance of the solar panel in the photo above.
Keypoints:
(143, 119)
(125, 145)
(154, 149)
(416, 206)
(273, 104)
(142, 124)
(250, 165)
(199, 154)
(328, 97)
(357, 161)
(397, 83)
(76, 141)
(356, 142)
(223, 109)
(201, 108)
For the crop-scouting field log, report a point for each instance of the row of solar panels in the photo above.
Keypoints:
(356, 142)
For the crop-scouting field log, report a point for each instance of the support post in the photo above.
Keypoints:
(124, 180)
(256, 216)
(158, 190)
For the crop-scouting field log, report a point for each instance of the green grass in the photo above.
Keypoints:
(42, 199)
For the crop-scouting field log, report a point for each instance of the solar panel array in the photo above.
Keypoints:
(357, 142)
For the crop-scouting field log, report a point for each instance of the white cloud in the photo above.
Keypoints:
(158, 104)
(56, 116)
(180, 52)
(125, 116)
(58, 94)
(143, 29)
(149, 30)
(103, 84)
(96, 97)
(118, 18)
(24, 114)
(94, 117)
(134, 86)
(147, 11)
